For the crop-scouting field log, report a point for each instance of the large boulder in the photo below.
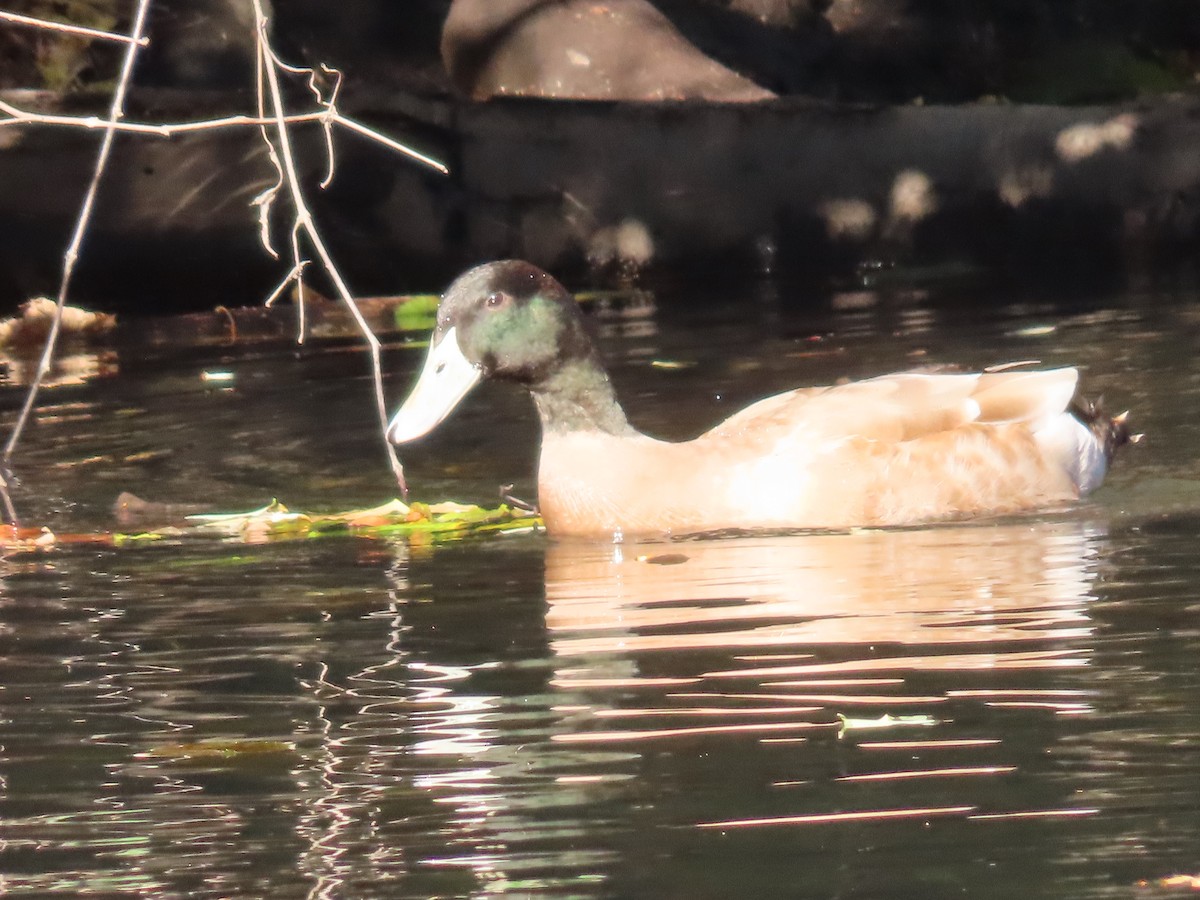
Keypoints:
(580, 49)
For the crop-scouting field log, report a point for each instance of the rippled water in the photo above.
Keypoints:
(994, 709)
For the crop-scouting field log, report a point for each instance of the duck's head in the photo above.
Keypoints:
(506, 320)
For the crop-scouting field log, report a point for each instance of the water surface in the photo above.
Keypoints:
(995, 709)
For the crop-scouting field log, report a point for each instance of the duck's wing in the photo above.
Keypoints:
(769, 415)
(904, 406)
(907, 406)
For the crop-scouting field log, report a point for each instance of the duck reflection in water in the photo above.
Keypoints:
(690, 682)
(835, 622)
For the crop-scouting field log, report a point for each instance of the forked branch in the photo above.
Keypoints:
(269, 66)
(116, 109)
(328, 116)
(280, 150)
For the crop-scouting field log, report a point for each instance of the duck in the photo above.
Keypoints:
(903, 449)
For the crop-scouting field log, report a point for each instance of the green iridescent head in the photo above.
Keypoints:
(506, 320)
(512, 320)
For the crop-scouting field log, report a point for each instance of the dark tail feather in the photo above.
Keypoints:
(1112, 431)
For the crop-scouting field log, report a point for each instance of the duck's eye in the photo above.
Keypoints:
(496, 300)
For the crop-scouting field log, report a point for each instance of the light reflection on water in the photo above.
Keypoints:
(995, 708)
(831, 639)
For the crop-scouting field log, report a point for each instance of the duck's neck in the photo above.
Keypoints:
(579, 397)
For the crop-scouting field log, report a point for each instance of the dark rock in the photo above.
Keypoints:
(618, 50)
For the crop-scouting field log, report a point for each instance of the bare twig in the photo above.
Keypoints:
(296, 277)
(280, 150)
(388, 142)
(85, 214)
(48, 25)
(293, 275)
(18, 116)
(327, 125)
(327, 117)
(301, 304)
(269, 66)
(266, 200)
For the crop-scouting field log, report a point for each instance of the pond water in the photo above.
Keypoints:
(993, 709)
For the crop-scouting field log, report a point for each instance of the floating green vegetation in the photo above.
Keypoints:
(416, 522)
(446, 519)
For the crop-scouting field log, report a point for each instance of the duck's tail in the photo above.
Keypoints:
(1111, 432)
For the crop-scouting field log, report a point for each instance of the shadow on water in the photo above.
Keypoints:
(998, 709)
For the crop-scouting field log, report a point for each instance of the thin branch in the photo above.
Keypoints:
(269, 51)
(266, 201)
(293, 275)
(282, 157)
(388, 142)
(330, 156)
(304, 219)
(18, 116)
(10, 511)
(327, 117)
(301, 301)
(85, 215)
(18, 19)
(336, 75)
(327, 126)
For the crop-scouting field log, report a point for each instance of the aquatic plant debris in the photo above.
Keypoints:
(17, 540)
(446, 520)
(885, 721)
(1190, 882)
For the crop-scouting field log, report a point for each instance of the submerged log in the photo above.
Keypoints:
(573, 185)
(814, 187)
